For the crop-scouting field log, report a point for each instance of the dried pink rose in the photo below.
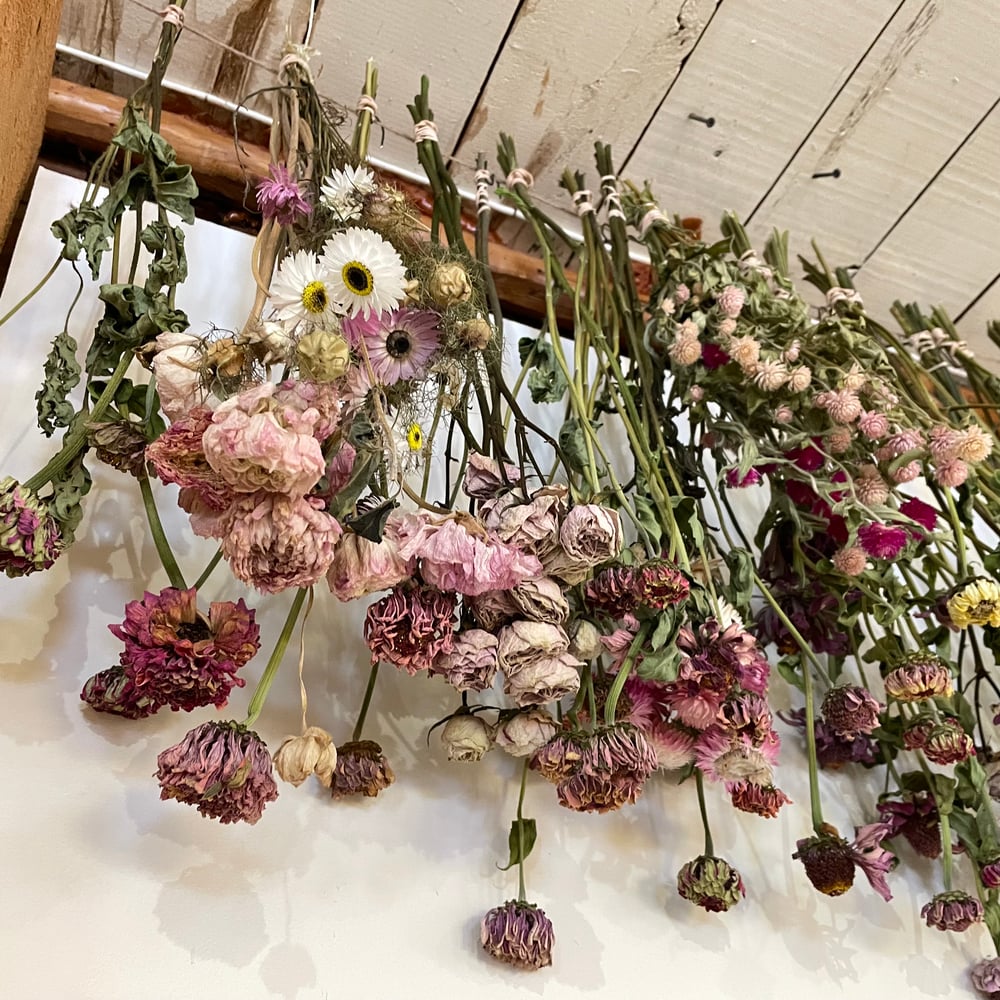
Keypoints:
(540, 599)
(544, 680)
(178, 457)
(471, 664)
(589, 535)
(361, 567)
(484, 478)
(532, 525)
(523, 733)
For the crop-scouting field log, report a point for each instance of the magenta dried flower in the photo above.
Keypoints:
(920, 676)
(176, 656)
(519, 934)
(223, 768)
(952, 911)
(882, 541)
(923, 513)
(613, 591)
(112, 691)
(30, 539)
(850, 710)
(833, 751)
(660, 584)
(280, 198)
(989, 873)
(916, 818)
(362, 769)
(471, 664)
(711, 883)
(986, 976)
(762, 800)
(411, 627)
(830, 861)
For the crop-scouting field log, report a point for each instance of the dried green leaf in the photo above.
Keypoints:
(62, 375)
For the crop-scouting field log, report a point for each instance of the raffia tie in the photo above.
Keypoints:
(609, 188)
(653, 215)
(172, 14)
(520, 176)
(294, 59)
(367, 103)
(582, 203)
(837, 294)
(936, 339)
(483, 181)
(425, 131)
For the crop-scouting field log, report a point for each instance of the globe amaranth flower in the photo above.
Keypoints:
(985, 976)
(176, 656)
(920, 676)
(598, 771)
(471, 664)
(273, 542)
(280, 198)
(711, 883)
(923, 513)
(830, 861)
(976, 603)
(466, 737)
(519, 934)
(362, 769)
(952, 911)
(223, 768)
(882, 541)
(850, 710)
(916, 818)
(761, 800)
(313, 752)
(30, 539)
(411, 627)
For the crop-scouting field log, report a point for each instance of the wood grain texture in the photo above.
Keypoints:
(903, 114)
(28, 28)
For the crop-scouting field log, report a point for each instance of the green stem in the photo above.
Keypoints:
(369, 691)
(363, 126)
(207, 571)
(520, 835)
(159, 535)
(611, 704)
(267, 678)
(946, 858)
(34, 291)
(700, 785)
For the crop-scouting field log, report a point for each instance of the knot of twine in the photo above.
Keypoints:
(366, 103)
(653, 215)
(294, 59)
(520, 176)
(837, 294)
(937, 339)
(425, 131)
(172, 14)
(483, 181)
(609, 186)
(582, 203)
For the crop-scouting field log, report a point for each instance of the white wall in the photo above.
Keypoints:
(110, 894)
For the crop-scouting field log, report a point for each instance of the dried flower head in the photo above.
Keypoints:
(948, 743)
(920, 676)
(916, 818)
(762, 800)
(322, 355)
(30, 539)
(660, 584)
(313, 752)
(976, 603)
(411, 627)
(361, 770)
(850, 710)
(280, 198)
(449, 285)
(711, 883)
(830, 861)
(952, 911)
(519, 934)
(223, 768)
(466, 737)
(475, 333)
(850, 560)
(985, 976)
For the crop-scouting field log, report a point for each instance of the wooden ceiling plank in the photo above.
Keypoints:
(944, 250)
(905, 112)
(764, 72)
(572, 74)
(982, 310)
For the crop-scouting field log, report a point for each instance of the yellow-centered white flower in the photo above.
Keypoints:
(344, 191)
(302, 289)
(366, 274)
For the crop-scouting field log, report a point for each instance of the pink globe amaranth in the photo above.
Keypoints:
(223, 768)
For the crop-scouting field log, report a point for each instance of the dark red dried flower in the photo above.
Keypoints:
(660, 584)
(613, 591)
(361, 770)
(762, 800)
(411, 627)
(850, 710)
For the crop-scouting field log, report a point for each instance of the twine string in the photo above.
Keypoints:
(172, 14)
(520, 176)
(609, 188)
(582, 203)
(425, 131)
(484, 178)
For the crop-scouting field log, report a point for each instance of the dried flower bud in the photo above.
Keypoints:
(710, 883)
(952, 911)
(361, 770)
(585, 640)
(275, 340)
(525, 732)
(119, 443)
(466, 737)
(322, 355)
(475, 333)
(311, 753)
(449, 285)
(519, 934)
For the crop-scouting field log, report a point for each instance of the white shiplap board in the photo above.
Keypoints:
(944, 251)
(903, 115)
(573, 73)
(764, 71)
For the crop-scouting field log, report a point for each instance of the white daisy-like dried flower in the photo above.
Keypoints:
(302, 290)
(344, 191)
(366, 273)
(770, 375)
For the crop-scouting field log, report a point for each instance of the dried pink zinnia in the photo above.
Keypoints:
(275, 542)
(223, 768)
(761, 800)
(952, 911)
(919, 677)
(362, 769)
(280, 198)
(30, 539)
(411, 627)
(519, 934)
(176, 656)
(850, 710)
(178, 457)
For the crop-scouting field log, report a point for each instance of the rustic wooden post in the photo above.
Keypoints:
(28, 29)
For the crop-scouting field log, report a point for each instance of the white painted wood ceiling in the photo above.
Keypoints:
(899, 98)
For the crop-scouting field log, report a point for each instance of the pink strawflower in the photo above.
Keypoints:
(401, 343)
(873, 425)
(519, 934)
(222, 768)
(274, 542)
(472, 662)
(411, 627)
(280, 198)
(673, 745)
(257, 442)
(178, 457)
(176, 656)
(952, 911)
(30, 539)
(457, 553)
(761, 800)
(882, 541)
(951, 473)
